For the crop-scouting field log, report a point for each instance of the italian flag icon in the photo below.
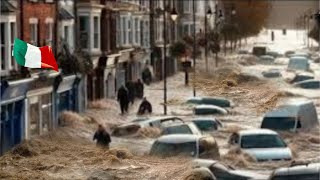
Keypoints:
(31, 56)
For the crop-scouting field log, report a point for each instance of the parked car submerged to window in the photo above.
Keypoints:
(157, 122)
(189, 128)
(186, 145)
(298, 172)
(262, 144)
(207, 124)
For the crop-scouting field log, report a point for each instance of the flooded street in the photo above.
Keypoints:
(70, 153)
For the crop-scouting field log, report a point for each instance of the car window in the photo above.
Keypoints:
(314, 176)
(278, 123)
(174, 149)
(206, 125)
(208, 148)
(183, 129)
(261, 141)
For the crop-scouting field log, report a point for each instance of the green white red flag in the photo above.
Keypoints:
(31, 56)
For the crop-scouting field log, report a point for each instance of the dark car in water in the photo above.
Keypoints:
(292, 116)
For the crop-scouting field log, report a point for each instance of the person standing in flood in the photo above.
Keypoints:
(146, 76)
(139, 89)
(123, 99)
(131, 91)
(145, 107)
(102, 136)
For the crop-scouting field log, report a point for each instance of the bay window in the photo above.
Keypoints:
(96, 33)
(84, 31)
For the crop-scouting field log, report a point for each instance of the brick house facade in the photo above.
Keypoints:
(37, 22)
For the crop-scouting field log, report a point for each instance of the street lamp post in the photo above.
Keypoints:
(206, 17)
(194, 47)
(174, 16)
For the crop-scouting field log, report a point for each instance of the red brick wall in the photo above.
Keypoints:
(41, 11)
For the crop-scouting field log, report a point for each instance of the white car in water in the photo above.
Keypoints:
(186, 144)
(262, 144)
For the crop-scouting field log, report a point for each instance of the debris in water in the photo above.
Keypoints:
(238, 157)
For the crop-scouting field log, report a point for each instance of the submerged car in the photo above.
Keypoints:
(297, 172)
(216, 101)
(262, 144)
(209, 109)
(272, 73)
(226, 172)
(292, 116)
(189, 128)
(187, 145)
(302, 77)
(133, 127)
(299, 63)
(308, 84)
(267, 58)
(207, 124)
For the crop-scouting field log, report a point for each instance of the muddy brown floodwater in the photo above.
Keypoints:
(70, 153)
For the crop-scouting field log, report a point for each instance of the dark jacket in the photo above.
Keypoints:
(139, 89)
(123, 95)
(145, 106)
(102, 137)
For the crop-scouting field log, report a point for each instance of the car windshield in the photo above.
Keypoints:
(174, 149)
(280, 123)
(183, 129)
(206, 125)
(261, 141)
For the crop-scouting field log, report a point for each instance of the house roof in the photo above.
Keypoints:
(7, 7)
(65, 15)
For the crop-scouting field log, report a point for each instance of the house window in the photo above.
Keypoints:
(96, 32)
(34, 34)
(49, 34)
(129, 30)
(119, 32)
(187, 6)
(84, 31)
(66, 34)
(124, 31)
(12, 36)
(137, 31)
(3, 47)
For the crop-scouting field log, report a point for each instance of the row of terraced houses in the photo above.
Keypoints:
(118, 38)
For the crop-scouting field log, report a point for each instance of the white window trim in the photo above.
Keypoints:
(90, 12)
(70, 40)
(93, 32)
(8, 19)
(89, 31)
(137, 39)
(49, 23)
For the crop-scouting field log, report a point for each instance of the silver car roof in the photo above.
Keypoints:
(178, 138)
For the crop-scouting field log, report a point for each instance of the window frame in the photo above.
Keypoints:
(96, 32)
(85, 30)
(34, 33)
